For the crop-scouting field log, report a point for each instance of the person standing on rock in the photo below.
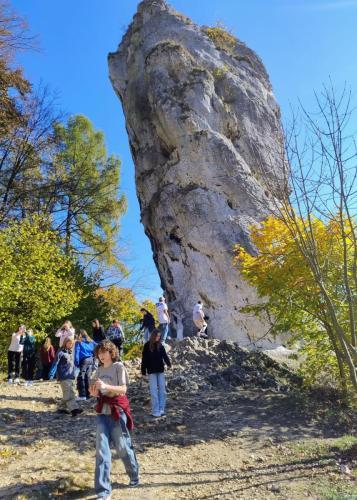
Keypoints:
(198, 317)
(163, 317)
(147, 323)
(84, 360)
(114, 421)
(153, 362)
(14, 355)
(29, 356)
(98, 331)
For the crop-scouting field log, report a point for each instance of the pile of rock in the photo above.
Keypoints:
(204, 364)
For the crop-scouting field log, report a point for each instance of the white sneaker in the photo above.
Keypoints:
(30, 382)
(10, 381)
(16, 381)
(78, 398)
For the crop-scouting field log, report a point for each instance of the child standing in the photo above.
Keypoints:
(14, 355)
(47, 355)
(65, 332)
(29, 356)
(65, 376)
(153, 359)
(84, 360)
(114, 421)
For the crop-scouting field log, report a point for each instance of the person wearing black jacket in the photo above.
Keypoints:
(98, 331)
(147, 323)
(153, 362)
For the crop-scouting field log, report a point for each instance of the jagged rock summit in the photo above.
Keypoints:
(204, 130)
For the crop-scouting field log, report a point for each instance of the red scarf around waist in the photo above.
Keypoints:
(116, 404)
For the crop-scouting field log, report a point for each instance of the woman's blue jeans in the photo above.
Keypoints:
(115, 431)
(164, 330)
(157, 386)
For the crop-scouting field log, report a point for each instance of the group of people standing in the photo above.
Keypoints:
(97, 366)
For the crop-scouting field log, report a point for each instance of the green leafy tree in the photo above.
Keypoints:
(37, 282)
(86, 202)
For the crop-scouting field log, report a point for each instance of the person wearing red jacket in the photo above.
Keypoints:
(47, 355)
(114, 420)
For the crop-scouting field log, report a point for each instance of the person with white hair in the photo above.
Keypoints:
(163, 317)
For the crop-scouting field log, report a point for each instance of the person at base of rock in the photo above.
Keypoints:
(114, 421)
(147, 323)
(84, 360)
(47, 355)
(154, 358)
(198, 317)
(163, 317)
(98, 331)
(29, 356)
(64, 364)
(14, 355)
(116, 335)
(65, 332)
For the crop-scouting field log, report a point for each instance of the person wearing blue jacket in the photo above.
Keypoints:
(64, 366)
(84, 360)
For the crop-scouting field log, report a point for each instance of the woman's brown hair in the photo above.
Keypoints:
(108, 346)
(47, 344)
(85, 335)
(153, 342)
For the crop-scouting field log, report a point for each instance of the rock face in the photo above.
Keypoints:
(204, 131)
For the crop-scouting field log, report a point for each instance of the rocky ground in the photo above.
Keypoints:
(237, 426)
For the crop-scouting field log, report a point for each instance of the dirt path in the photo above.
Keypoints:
(246, 444)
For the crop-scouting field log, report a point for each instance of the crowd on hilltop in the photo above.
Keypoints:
(95, 364)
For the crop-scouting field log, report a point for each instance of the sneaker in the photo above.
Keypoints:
(163, 414)
(30, 382)
(155, 416)
(79, 398)
(10, 381)
(107, 497)
(134, 483)
(76, 412)
(16, 381)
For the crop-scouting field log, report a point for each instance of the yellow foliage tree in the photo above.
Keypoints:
(298, 294)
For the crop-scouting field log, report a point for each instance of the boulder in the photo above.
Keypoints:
(204, 131)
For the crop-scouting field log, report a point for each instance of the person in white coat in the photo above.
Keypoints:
(198, 317)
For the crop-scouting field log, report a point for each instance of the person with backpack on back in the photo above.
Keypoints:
(115, 334)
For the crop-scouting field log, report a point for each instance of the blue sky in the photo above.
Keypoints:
(301, 42)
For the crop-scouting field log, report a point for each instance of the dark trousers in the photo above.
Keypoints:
(119, 344)
(85, 373)
(45, 371)
(13, 363)
(28, 366)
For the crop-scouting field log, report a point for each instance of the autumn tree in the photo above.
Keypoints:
(316, 208)
(13, 85)
(290, 295)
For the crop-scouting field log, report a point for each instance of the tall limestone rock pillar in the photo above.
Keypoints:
(202, 123)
